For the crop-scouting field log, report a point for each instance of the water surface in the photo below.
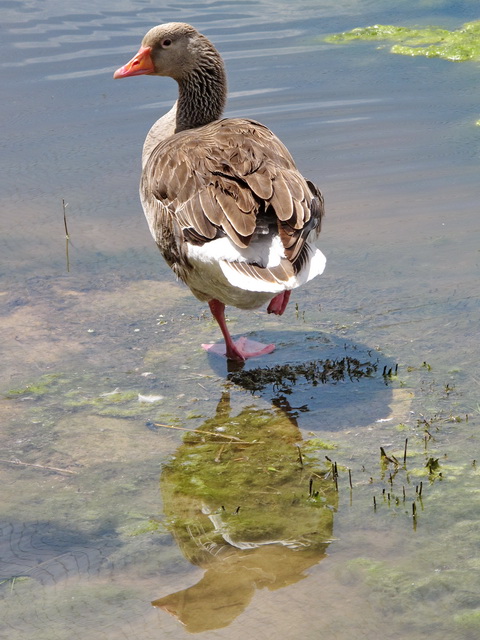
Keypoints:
(98, 359)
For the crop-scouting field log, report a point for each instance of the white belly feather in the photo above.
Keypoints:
(213, 275)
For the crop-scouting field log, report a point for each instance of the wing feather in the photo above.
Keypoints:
(244, 223)
(281, 200)
(255, 278)
(190, 214)
(227, 178)
(209, 206)
(260, 182)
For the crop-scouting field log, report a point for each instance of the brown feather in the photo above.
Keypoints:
(209, 206)
(243, 223)
(260, 182)
(281, 198)
(220, 177)
(191, 215)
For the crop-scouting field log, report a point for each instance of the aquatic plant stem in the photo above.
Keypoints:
(67, 236)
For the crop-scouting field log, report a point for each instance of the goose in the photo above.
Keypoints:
(227, 207)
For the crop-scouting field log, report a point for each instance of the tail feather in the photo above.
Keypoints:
(255, 278)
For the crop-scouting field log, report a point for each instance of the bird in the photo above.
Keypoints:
(224, 201)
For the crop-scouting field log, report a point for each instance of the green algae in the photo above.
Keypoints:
(399, 590)
(468, 620)
(222, 508)
(48, 383)
(248, 507)
(316, 444)
(256, 489)
(390, 32)
(81, 393)
(379, 576)
(115, 403)
(459, 45)
(101, 401)
(143, 527)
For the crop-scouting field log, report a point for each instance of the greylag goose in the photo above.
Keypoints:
(224, 201)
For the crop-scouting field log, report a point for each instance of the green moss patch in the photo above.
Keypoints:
(432, 42)
(45, 384)
(256, 488)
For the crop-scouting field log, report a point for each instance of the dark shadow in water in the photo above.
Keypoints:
(44, 552)
(245, 502)
(341, 384)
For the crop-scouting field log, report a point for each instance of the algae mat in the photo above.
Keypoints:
(433, 42)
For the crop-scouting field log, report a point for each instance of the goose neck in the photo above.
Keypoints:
(202, 96)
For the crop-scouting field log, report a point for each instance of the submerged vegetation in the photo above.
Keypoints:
(251, 493)
(284, 377)
(257, 489)
(46, 384)
(246, 502)
(433, 42)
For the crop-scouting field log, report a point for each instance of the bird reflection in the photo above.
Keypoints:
(251, 505)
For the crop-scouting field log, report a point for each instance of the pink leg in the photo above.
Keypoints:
(278, 304)
(234, 350)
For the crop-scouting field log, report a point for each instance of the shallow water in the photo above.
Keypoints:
(99, 517)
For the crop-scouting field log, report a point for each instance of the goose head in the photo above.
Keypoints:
(175, 50)
(179, 51)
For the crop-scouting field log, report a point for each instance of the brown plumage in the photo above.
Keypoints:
(223, 198)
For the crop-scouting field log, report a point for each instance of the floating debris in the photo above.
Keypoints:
(149, 398)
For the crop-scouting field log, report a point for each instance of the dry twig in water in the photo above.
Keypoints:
(208, 433)
(67, 236)
(38, 466)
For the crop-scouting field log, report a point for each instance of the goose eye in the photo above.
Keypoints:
(166, 43)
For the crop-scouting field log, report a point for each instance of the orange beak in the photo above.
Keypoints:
(139, 65)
